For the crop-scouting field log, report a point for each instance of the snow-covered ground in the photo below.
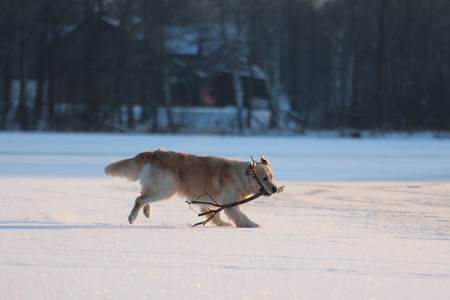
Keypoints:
(359, 219)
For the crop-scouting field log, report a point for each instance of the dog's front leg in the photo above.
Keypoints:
(217, 218)
(240, 219)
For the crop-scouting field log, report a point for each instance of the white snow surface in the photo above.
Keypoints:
(358, 219)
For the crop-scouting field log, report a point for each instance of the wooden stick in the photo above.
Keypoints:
(221, 207)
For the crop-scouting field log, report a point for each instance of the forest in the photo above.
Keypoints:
(107, 65)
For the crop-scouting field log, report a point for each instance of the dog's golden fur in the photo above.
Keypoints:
(163, 174)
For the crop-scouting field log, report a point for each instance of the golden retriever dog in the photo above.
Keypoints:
(164, 174)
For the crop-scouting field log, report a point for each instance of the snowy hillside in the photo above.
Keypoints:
(359, 219)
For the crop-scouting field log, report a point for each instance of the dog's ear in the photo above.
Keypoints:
(250, 168)
(264, 161)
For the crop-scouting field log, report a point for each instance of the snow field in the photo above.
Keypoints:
(343, 234)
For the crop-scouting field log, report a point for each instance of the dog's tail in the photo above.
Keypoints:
(129, 168)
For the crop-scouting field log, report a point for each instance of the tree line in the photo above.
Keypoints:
(363, 64)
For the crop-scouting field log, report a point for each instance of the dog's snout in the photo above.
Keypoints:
(274, 190)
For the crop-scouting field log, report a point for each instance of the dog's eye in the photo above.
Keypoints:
(265, 178)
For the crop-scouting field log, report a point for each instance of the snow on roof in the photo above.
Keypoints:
(65, 30)
(246, 71)
(191, 40)
(182, 40)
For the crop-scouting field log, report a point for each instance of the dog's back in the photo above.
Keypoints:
(194, 174)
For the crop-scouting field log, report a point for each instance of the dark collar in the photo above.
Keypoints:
(259, 182)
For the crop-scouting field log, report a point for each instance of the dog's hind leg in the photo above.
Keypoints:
(147, 209)
(143, 201)
(156, 186)
(217, 218)
(138, 203)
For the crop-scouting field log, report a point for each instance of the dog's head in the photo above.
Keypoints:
(264, 175)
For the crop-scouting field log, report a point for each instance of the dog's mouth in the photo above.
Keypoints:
(267, 194)
(264, 192)
(275, 190)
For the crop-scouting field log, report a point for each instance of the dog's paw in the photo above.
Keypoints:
(250, 225)
(222, 223)
(147, 210)
(131, 219)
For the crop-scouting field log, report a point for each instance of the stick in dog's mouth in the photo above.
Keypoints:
(277, 191)
(213, 212)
